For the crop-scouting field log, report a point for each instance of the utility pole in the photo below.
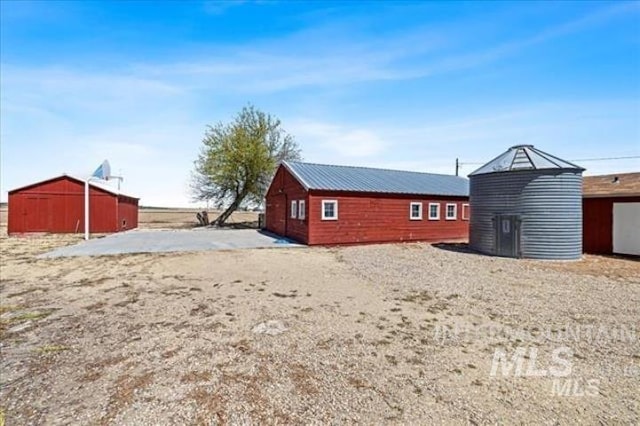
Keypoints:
(457, 166)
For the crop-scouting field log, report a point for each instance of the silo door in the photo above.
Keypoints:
(507, 235)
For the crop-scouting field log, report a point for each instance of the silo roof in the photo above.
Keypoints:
(524, 157)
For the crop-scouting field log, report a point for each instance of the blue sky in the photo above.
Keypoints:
(407, 85)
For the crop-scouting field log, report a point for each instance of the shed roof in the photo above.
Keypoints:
(524, 157)
(365, 179)
(614, 185)
(100, 184)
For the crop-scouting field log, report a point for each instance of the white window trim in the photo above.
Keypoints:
(294, 209)
(437, 216)
(302, 209)
(465, 205)
(335, 209)
(455, 211)
(415, 203)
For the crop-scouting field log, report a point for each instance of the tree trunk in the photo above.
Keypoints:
(220, 220)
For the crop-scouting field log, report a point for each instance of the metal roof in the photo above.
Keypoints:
(524, 157)
(615, 185)
(365, 179)
(96, 183)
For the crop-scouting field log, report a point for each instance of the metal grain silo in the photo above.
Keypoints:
(527, 203)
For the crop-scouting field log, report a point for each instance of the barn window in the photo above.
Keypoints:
(434, 211)
(302, 209)
(294, 209)
(465, 212)
(329, 210)
(452, 211)
(415, 211)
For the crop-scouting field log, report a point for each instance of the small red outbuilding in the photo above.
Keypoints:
(56, 205)
(324, 204)
(611, 214)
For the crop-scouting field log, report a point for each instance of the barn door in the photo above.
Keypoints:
(507, 235)
(37, 215)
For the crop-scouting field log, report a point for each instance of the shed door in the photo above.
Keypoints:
(276, 214)
(626, 228)
(507, 235)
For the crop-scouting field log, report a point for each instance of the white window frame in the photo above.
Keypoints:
(335, 209)
(455, 211)
(302, 209)
(437, 216)
(294, 209)
(465, 206)
(415, 203)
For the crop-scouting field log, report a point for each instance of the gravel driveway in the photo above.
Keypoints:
(387, 334)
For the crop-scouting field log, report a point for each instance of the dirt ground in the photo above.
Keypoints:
(150, 218)
(161, 218)
(400, 334)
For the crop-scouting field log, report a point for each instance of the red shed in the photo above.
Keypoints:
(323, 204)
(611, 214)
(56, 205)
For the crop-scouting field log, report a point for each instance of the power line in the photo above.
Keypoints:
(630, 157)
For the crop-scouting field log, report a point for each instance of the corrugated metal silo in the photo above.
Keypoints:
(527, 203)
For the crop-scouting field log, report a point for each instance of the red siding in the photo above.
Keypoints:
(284, 189)
(57, 206)
(373, 218)
(362, 217)
(597, 223)
(127, 212)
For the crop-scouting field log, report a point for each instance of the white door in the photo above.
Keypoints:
(626, 228)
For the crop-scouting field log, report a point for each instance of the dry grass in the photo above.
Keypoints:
(160, 218)
(186, 218)
(615, 267)
(210, 406)
(126, 389)
(48, 349)
(196, 377)
(303, 380)
(96, 369)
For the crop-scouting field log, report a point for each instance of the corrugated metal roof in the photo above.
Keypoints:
(96, 183)
(524, 157)
(365, 179)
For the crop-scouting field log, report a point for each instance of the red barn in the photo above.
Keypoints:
(323, 204)
(611, 214)
(57, 205)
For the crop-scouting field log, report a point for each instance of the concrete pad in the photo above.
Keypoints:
(155, 241)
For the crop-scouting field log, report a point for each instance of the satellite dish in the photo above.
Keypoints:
(103, 171)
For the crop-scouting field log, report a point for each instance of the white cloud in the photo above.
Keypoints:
(331, 142)
(571, 130)
(57, 120)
